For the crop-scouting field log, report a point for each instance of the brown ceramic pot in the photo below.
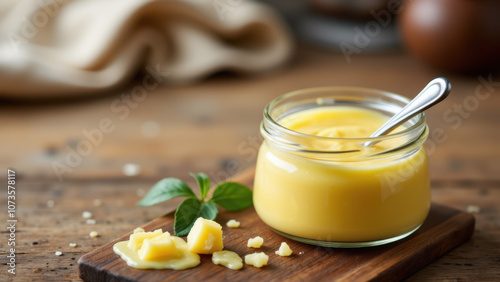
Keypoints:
(458, 35)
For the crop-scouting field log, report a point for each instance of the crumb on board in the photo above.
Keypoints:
(86, 214)
(131, 169)
(139, 230)
(141, 192)
(94, 234)
(58, 253)
(255, 242)
(473, 209)
(257, 259)
(90, 221)
(284, 250)
(233, 223)
(72, 245)
(97, 202)
(150, 128)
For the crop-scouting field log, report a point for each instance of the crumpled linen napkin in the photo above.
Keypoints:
(76, 47)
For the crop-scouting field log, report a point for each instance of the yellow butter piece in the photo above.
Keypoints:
(228, 259)
(136, 239)
(184, 260)
(257, 259)
(255, 242)
(205, 237)
(284, 250)
(158, 248)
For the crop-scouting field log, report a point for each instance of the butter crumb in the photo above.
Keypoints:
(72, 245)
(141, 192)
(97, 202)
(94, 234)
(257, 259)
(228, 259)
(139, 230)
(86, 214)
(473, 209)
(233, 223)
(150, 128)
(255, 242)
(284, 250)
(131, 169)
(90, 221)
(58, 253)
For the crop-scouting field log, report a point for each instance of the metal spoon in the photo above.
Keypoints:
(436, 91)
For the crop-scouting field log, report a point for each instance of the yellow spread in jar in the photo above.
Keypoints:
(351, 201)
(336, 122)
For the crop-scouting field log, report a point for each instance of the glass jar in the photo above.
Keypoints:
(356, 195)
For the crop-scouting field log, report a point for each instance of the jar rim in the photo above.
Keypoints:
(419, 119)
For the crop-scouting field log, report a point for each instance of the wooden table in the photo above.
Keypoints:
(213, 127)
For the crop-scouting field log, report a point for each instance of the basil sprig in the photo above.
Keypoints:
(228, 195)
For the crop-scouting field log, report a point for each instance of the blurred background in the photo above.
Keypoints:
(181, 85)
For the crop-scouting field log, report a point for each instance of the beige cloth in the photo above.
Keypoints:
(73, 47)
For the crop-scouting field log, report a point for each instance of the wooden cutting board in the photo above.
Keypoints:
(444, 229)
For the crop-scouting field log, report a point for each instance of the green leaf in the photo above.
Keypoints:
(209, 211)
(203, 183)
(185, 216)
(189, 211)
(165, 190)
(232, 196)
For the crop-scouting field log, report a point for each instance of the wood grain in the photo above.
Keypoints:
(44, 230)
(444, 229)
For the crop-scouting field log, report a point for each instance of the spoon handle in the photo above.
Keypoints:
(432, 94)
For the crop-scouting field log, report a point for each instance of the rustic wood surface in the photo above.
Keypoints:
(443, 229)
(213, 127)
